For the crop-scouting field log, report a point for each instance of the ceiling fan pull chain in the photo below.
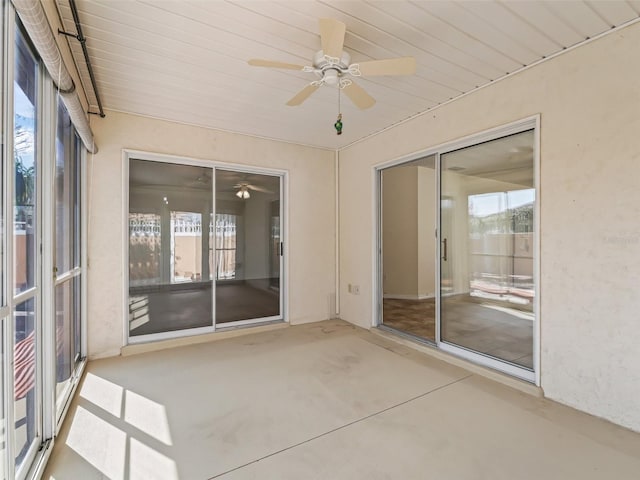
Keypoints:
(338, 124)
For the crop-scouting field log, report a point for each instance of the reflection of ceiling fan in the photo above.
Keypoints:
(244, 187)
(202, 180)
(332, 66)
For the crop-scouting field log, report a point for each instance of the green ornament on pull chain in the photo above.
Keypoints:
(338, 125)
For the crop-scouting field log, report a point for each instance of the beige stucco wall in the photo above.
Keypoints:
(589, 102)
(311, 212)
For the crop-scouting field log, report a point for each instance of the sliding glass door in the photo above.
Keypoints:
(169, 283)
(40, 236)
(457, 238)
(195, 264)
(68, 271)
(26, 286)
(408, 222)
(487, 253)
(247, 247)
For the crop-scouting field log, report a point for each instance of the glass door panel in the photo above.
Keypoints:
(24, 357)
(26, 288)
(487, 233)
(408, 206)
(66, 302)
(25, 108)
(66, 189)
(247, 246)
(169, 274)
(67, 255)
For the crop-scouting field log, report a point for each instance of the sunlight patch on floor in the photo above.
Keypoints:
(103, 393)
(146, 463)
(99, 443)
(148, 416)
(106, 444)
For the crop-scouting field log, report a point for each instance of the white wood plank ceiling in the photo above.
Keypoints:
(186, 60)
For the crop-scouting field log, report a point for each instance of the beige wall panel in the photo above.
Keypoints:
(589, 102)
(426, 232)
(400, 238)
(311, 209)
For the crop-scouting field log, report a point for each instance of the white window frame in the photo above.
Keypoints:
(528, 123)
(48, 421)
(130, 154)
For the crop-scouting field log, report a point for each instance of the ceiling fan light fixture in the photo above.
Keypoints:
(243, 193)
(331, 77)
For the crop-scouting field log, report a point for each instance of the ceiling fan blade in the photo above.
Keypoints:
(257, 62)
(259, 189)
(392, 66)
(302, 95)
(358, 96)
(332, 36)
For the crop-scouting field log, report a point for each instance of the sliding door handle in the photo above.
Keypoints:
(444, 250)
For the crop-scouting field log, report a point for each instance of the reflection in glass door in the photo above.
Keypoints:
(187, 255)
(169, 281)
(408, 206)
(487, 243)
(247, 247)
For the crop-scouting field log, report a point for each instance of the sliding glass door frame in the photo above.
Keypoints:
(213, 166)
(281, 176)
(378, 281)
(46, 420)
(35, 292)
(529, 123)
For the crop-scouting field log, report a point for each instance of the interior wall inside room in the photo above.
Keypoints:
(408, 217)
(310, 271)
(257, 231)
(426, 232)
(400, 237)
(587, 99)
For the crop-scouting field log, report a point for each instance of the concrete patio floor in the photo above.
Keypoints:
(322, 401)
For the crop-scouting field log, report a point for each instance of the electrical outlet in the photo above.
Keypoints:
(354, 289)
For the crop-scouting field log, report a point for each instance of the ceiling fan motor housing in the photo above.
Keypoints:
(328, 69)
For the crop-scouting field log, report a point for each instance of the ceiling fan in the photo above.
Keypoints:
(332, 65)
(244, 187)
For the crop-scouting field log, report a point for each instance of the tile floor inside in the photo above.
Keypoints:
(322, 401)
(485, 327)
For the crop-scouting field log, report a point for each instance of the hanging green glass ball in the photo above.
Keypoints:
(338, 125)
